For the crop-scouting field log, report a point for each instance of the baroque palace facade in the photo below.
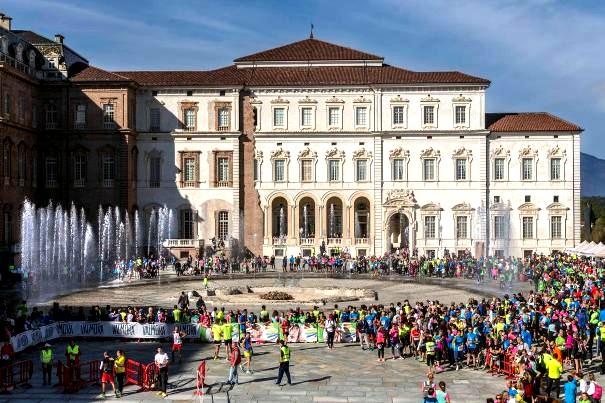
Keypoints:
(286, 151)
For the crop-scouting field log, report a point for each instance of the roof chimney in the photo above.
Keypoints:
(5, 22)
(59, 38)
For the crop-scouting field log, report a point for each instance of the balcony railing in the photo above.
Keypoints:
(108, 183)
(109, 125)
(362, 241)
(51, 183)
(306, 241)
(189, 128)
(280, 240)
(223, 184)
(223, 128)
(183, 243)
(80, 125)
(334, 241)
(78, 183)
(188, 184)
(5, 59)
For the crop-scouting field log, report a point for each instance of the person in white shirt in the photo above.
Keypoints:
(161, 361)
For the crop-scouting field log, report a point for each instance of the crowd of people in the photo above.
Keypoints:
(557, 328)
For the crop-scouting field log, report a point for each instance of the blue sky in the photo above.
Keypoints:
(541, 55)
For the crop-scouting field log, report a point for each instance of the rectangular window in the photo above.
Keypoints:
(189, 115)
(35, 171)
(460, 169)
(189, 172)
(279, 171)
(528, 228)
(21, 167)
(555, 169)
(222, 171)
(109, 171)
(279, 117)
(361, 170)
(223, 225)
(224, 119)
(398, 169)
(306, 168)
(428, 172)
(429, 227)
(461, 227)
(255, 169)
(51, 172)
(398, 115)
(154, 120)
(7, 104)
(187, 224)
(361, 116)
(79, 170)
(334, 170)
(555, 227)
(51, 116)
(460, 111)
(428, 115)
(528, 169)
(499, 229)
(108, 116)
(80, 118)
(499, 169)
(306, 116)
(34, 116)
(154, 172)
(334, 117)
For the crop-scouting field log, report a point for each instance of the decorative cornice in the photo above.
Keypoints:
(400, 198)
(529, 207)
(258, 155)
(557, 152)
(399, 152)
(463, 207)
(280, 153)
(280, 100)
(335, 153)
(256, 101)
(557, 208)
(462, 153)
(431, 207)
(500, 152)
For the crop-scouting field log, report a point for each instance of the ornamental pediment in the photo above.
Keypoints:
(362, 153)
(556, 151)
(462, 152)
(500, 152)
(398, 99)
(335, 100)
(335, 153)
(399, 152)
(430, 153)
(431, 207)
(527, 152)
(529, 207)
(429, 98)
(258, 155)
(307, 100)
(362, 99)
(279, 100)
(256, 101)
(400, 198)
(462, 207)
(461, 98)
(280, 153)
(500, 207)
(557, 208)
(307, 153)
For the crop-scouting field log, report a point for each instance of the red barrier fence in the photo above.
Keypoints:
(16, 374)
(134, 372)
(75, 377)
(150, 376)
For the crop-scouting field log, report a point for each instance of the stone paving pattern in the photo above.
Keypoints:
(345, 374)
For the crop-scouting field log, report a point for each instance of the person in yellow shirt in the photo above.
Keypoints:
(553, 380)
(119, 366)
(217, 335)
(227, 336)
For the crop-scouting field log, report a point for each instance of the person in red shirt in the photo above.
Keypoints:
(234, 361)
(285, 327)
(6, 353)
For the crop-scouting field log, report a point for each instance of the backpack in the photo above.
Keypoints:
(598, 392)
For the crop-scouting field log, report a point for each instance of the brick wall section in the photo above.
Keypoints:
(252, 224)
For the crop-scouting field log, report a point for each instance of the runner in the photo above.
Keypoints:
(217, 334)
(107, 375)
(177, 343)
(248, 352)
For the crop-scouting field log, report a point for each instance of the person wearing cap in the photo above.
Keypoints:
(46, 358)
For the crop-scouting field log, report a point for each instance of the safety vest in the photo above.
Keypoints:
(73, 351)
(285, 354)
(177, 315)
(119, 364)
(46, 356)
(602, 333)
(594, 318)
(430, 347)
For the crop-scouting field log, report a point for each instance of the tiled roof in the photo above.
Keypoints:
(528, 122)
(308, 49)
(91, 73)
(299, 76)
(32, 37)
